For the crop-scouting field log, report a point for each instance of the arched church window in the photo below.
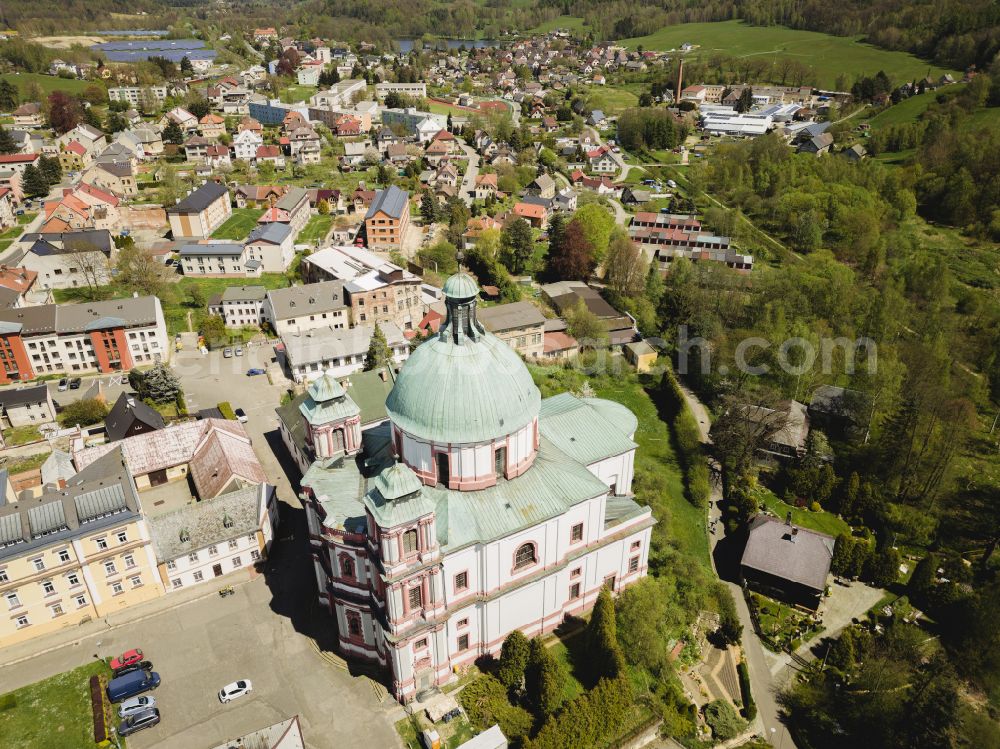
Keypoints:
(525, 556)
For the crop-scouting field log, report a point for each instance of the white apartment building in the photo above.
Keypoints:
(301, 308)
(416, 90)
(240, 306)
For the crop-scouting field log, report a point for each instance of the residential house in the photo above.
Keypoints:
(240, 306)
(110, 336)
(786, 561)
(129, 416)
(74, 157)
(304, 145)
(475, 226)
(187, 122)
(388, 218)
(272, 245)
(212, 126)
(117, 178)
(26, 406)
(292, 209)
(519, 324)
(270, 154)
(66, 259)
(75, 553)
(817, 145)
(18, 162)
(567, 295)
(485, 186)
(337, 351)
(599, 160)
(28, 115)
(245, 144)
(218, 259)
(301, 308)
(201, 212)
(15, 284)
(543, 186)
(534, 214)
(640, 355)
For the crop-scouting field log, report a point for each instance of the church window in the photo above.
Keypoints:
(347, 566)
(462, 581)
(576, 533)
(525, 556)
(354, 624)
(463, 642)
(410, 541)
(415, 596)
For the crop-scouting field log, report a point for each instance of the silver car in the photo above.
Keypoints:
(137, 722)
(135, 705)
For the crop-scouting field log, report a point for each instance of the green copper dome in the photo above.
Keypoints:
(398, 480)
(464, 385)
(461, 286)
(326, 388)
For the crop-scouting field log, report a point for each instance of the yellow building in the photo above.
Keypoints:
(640, 355)
(74, 554)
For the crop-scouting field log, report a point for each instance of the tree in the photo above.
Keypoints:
(513, 659)
(7, 144)
(83, 412)
(50, 169)
(379, 355)
(186, 67)
(65, 112)
(115, 123)
(745, 102)
(516, 245)
(596, 224)
(159, 384)
(485, 702)
(723, 720)
(428, 207)
(288, 62)
(571, 257)
(882, 567)
(213, 329)
(586, 327)
(139, 270)
(8, 96)
(197, 295)
(172, 133)
(545, 681)
(625, 268)
(605, 655)
(35, 185)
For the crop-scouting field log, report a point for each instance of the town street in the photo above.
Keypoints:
(468, 186)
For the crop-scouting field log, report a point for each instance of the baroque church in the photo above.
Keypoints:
(468, 508)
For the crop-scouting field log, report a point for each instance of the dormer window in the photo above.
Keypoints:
(185, 536)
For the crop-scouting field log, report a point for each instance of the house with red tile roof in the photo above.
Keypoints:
(534, 214)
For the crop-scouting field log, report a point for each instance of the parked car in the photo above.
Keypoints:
(63, 384)
(137, 666)
(129, 685)
(239, 351)
(126, 659)
(241, 416)
(254, 371)
(227, 353)
(137, 722)
(234, 690)
(135, 705)
(75, 383)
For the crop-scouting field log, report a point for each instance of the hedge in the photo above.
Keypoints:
(688, 439)
(226, 410)
(749, 706)
(97, 706)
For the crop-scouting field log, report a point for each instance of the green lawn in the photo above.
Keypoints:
(239, 225)
(436, 107)
(21, 435)
(28, 463)
(822, 521)
(316, 230)
(611, 100)
(51, 714)
(296, 93)
(569, 23)
(48, 83)
(908, 110)
(828, 56)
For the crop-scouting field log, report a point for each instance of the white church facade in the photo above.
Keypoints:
(472, 509)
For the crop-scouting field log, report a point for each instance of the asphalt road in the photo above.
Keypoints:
(471, 172)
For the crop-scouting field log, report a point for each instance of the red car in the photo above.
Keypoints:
(126, 659)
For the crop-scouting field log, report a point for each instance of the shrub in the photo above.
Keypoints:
(226, 410)
(815, 507)
(485, 702)
(83, 412)
(97, 706)
(723, 720)
(589, 720)
(513, 659)
(749, 706)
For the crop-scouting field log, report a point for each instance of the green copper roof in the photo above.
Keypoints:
(332, 405)
(397, 481)
(326, 388)
(473, 391)
(461, 286)
(587, 429)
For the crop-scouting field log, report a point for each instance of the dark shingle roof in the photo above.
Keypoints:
(390, 201)
(127, 410)
(20, 396)
(200, 199)
(789, 552)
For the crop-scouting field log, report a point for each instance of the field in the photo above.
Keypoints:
(908, 110)
(316, 230)
(296, 93)
(611, 100)
(438, 107)
(828, 56)
(51, 714)
(239, 225)
(569, 23)
(48, 83)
